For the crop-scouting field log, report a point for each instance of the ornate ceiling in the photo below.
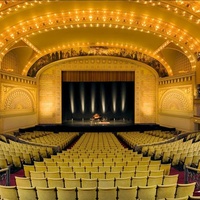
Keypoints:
(167, 31)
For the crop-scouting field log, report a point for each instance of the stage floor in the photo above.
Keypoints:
(96, 126)
(98, 123)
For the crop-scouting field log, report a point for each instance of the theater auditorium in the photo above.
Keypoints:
(99, 100)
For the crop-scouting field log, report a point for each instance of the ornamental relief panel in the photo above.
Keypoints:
(176, 100)
(17, 100)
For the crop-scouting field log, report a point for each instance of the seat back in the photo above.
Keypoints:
(185, 189)
(46, 193)
(55, 182)
(87, 193)
(147, 192)
(89, 183)
(127, 193)
(166, 191)
(66, 193)
(8, 192)
(107, 193)
(27, 193)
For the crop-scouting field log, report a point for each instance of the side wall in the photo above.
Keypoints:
(25, 102)
(176, 102)
(18, 97)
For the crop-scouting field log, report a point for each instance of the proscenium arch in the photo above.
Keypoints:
(145, 99)
(97, 51)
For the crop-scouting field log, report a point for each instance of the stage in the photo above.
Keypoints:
(98, 122)
(96, 126)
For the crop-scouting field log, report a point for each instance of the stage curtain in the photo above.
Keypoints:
(94, 76)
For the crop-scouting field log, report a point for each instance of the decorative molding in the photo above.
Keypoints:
(97, 51)
(16, 78)
(176, 79)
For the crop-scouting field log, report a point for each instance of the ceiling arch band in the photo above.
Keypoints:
(98, 18)
(97, 51)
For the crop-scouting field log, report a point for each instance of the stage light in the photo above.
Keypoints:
(114, 97)
(123, 97)
(71, 90)
(82, 95)
(93, 98)
(103, 101)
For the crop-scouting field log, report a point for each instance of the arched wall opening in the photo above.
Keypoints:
(144, 91)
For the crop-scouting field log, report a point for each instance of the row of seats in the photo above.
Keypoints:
(178, 158)
(119, 174)
(34, 134)
(91, 155)
(15, 154)
(96, 162)
(158, 170)
(170, 146)
(193, 136)
(116, 149)
(178, 147)
(154, 192)
(97, 167)
(60, 139)
(98, 157)
(10, 161)
(162, 134)
(134, 139)
(96, 182)
(101, 158)
(16, 148)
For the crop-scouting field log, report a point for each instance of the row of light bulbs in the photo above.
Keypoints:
(97, 25)
(55, 21)
(88, 25)
(189, 10)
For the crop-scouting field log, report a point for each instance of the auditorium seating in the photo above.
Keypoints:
(153, 192)
(179, 153)
(134, 139)
(104, 181)
(98, 166)
(60, 140)
(14, 153)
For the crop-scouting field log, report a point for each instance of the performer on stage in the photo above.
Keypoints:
(96, 116)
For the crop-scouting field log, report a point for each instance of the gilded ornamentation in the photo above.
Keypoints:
(176, 99)
(18, 99)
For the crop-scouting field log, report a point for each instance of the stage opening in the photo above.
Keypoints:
(110, 100)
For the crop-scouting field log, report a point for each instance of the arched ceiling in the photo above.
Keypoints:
(165, 30)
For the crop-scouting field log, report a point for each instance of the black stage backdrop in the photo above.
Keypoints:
(111, 100)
